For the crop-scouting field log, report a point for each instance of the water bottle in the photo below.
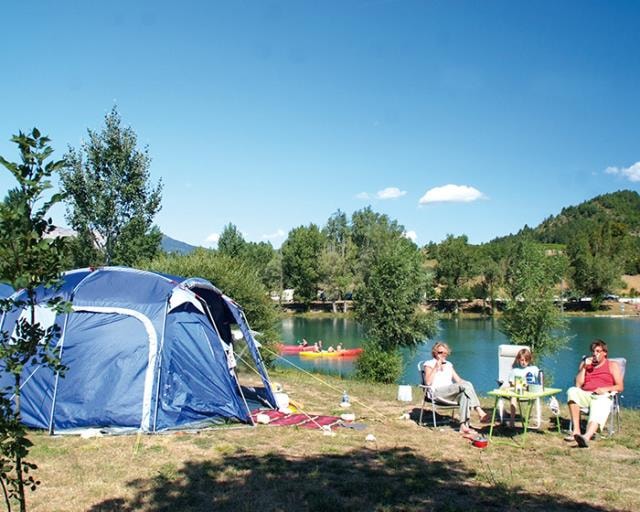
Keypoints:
(345, 397)
(541, 379)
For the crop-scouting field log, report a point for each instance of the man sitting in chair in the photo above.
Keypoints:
(447, 384)
(597, 378)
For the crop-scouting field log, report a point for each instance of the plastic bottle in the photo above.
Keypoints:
(541, 379)
(345, 397)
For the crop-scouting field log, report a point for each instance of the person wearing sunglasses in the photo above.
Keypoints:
(447, 384)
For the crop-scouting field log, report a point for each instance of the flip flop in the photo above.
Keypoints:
(570, 438)
(582, 441)
(486, 419)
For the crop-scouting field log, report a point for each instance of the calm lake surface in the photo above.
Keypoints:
(474, 344)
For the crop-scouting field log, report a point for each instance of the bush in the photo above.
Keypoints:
(378, 365)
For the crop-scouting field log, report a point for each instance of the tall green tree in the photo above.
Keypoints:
(111, 202)
(231, 242)
(387, 300)
(337, 277)
(337, 260)
(492, 276)
(301, 261)
(531, 316)
(596, 256)
(457, 266)
(28, 260)
(338, 234)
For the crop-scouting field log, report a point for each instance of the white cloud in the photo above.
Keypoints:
(362, 195)
(631, 173)
(278, 234)
(212, 239)
(390, 193)
(451, 194)
(411, 235)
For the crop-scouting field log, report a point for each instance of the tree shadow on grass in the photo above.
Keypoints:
(364, 479)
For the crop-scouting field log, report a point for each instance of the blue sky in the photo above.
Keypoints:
(453, 117)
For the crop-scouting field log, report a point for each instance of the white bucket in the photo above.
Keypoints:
(282, 400)
(404, 393)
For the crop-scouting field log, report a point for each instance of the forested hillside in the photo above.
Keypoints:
(621, 208)
(605, 226)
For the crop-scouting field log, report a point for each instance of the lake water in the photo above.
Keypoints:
(474, 344)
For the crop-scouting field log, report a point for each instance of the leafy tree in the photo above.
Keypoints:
(338, 234)
(236, 279)
(388, 301)
(368, 230)
(231, 242)
(492, 275)
(596, 260)
(337, 259)
(531, 317)
(272, 276)
(110, 201)
(263, 257)
(457, 266)
(392, 282)
(301, 261)
(337, 277)
(28, 260)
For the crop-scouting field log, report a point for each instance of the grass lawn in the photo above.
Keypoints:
(407, 467)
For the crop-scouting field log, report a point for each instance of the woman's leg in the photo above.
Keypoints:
(473, 402)
(454, 392)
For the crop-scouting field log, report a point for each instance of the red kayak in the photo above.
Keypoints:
(350, 352)
(294, 349)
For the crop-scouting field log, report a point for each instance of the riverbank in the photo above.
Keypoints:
(468, 309)
(406, 467)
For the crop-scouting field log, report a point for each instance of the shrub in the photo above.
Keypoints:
(378, 365)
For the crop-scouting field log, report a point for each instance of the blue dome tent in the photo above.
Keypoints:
(144, 351)
(5, 290)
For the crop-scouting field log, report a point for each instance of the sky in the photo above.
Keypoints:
(452, 117)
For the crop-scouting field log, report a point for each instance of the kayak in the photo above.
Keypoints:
(349, 352)
(294, 349)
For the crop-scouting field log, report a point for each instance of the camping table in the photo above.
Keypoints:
(528, 398)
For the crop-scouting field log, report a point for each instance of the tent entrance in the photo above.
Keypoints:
(107, 359)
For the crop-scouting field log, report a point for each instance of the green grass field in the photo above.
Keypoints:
(407, 467)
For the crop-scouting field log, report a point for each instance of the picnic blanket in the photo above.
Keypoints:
(282, 419)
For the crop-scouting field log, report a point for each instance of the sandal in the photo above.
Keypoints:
(486, 419)
(570, 438)
(582, 441)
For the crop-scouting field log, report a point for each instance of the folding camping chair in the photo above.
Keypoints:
(506, 356)
(435, 403)
(615, 421)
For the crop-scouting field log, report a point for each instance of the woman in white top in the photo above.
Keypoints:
(447, 384)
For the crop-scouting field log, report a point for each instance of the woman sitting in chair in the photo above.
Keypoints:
(447, 384)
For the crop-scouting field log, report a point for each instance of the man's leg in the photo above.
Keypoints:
(574, 413)
(576, 398)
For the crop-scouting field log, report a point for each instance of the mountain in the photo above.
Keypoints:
(621, 208)
(169, 244)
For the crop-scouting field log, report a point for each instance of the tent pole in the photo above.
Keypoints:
(55, 386)
(158, 366)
